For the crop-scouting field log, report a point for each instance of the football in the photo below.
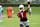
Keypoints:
(28, 2)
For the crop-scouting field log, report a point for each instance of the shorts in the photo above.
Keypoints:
(26, 23)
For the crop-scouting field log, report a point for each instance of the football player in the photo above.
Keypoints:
(22, 15)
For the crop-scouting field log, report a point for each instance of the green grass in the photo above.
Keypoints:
(15, 22)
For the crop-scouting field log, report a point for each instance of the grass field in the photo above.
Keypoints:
(34, 21)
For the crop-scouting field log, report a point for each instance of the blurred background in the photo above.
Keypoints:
(17, 2)
(34, 21)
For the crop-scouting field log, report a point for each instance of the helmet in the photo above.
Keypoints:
(21, 7)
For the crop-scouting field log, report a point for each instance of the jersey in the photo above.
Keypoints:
(10, 12)
(23, 14)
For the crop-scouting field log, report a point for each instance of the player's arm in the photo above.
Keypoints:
(28, 8)
(18, 14)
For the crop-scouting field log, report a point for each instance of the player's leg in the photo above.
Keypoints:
(27, 23)
(1, 18)
(21, 24)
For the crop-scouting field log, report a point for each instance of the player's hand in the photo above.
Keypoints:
(28, 4)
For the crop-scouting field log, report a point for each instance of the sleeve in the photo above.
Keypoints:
(26, 10)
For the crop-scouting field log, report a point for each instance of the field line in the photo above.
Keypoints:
(34, 23)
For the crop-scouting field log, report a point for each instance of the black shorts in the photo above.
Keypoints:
(24, 19)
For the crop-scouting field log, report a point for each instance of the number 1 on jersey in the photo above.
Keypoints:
(22, 14)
